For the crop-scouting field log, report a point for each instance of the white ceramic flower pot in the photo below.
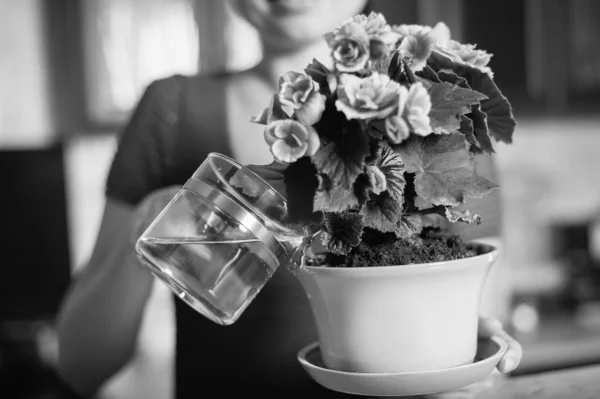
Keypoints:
(398, 318)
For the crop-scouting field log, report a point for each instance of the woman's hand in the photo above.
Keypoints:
(490, 327)
(150, 208)
(99, 322)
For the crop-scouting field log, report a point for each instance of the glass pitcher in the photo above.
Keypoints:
(220, 239)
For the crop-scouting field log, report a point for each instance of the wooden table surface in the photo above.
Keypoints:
(574, 383)
(558, 343)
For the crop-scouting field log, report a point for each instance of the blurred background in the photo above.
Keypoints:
(71, 71)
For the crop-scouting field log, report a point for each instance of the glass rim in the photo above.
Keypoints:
(234, 191)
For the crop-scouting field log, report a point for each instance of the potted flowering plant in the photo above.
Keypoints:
(368, 154)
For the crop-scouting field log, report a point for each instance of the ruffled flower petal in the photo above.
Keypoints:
(313, 142)
(440, 33)
(467, 54)
(381, 37)
(341, 231)
(286, 153)
(373, 23)
(311, 110)
(377, 28)
(290, 140)
(349, 47)
(372, 97)
(332, 82)
(402, 98)
(396, 129)
(470, 54)
(360, 41)
(388, 37)
(411, 29)
(377, 179)
(414, 105)
(295, 89)
(418, 104)
(417, 50)
(418, 96)
(420, 122)
(416, 45)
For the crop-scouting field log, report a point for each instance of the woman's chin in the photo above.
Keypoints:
(291, 7)
(297, 20)
(296, 33)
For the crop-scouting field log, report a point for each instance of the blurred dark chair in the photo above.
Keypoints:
(35, 269)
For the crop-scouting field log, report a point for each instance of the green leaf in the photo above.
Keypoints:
(500, 120)
(428, 74)
(444, 169)
(338, 164)
(448, 103)
(466, 128)
(381, 213)
(479, 137)
(341, 171)
(421, 204)
(382, 65)
(343, 160)
(318, 72)
(409, 226)
(461, 215)
(453, 78)
(333, 197)
(375, 130)
(364, 184)
(390, 164)
(342, 231)
(363, 188)
(300, 179)
(409, 192)
(246, 180)
(262, 118)
(273, 113)
(453, 214)
(480, 130)
(395, 67)
(410, 76)
(272, 174)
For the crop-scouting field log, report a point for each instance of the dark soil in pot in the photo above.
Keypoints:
(378, 249)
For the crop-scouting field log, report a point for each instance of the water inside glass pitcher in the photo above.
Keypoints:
(220, 239)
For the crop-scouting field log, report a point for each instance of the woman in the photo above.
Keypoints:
(178, 121)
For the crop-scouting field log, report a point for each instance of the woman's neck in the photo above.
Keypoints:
(277, 62)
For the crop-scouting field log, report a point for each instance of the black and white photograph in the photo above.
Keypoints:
(300, 198)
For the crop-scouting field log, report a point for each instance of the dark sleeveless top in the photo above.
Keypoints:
(178, 121)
